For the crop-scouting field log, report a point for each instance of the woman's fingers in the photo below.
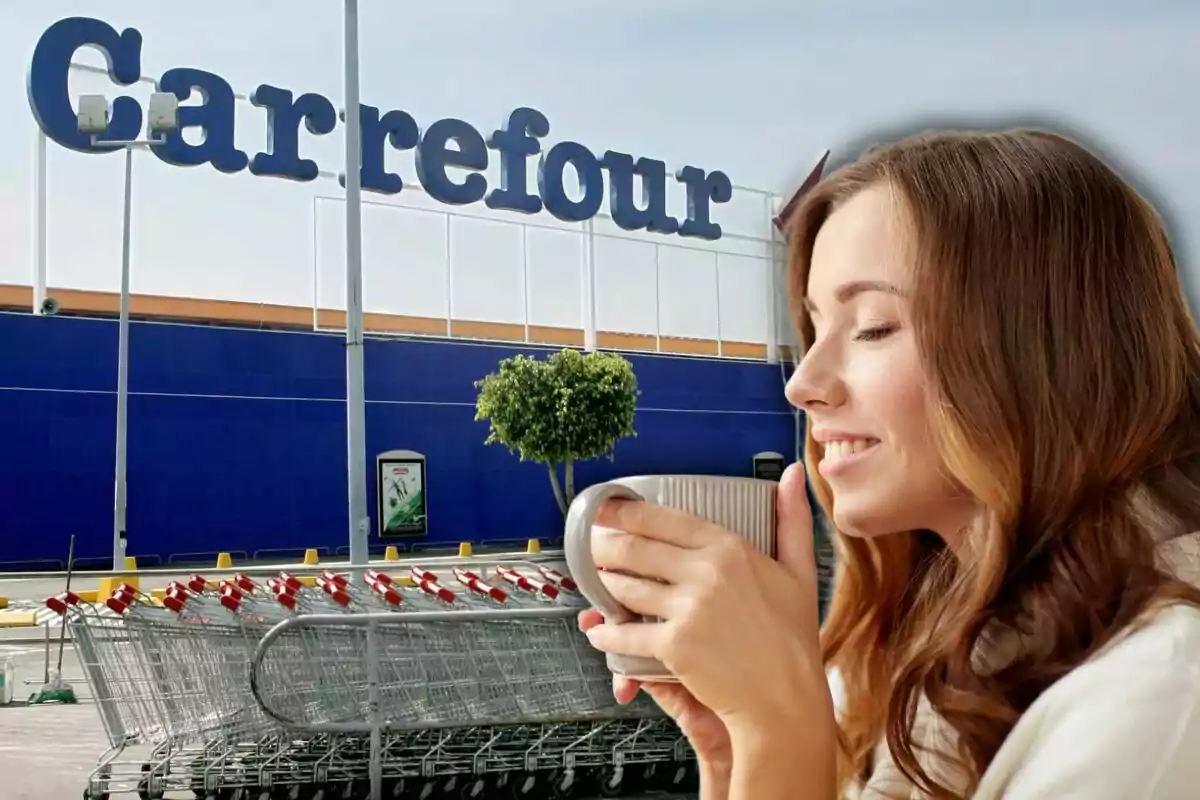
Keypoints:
(629, 639)
(794, 536)
(662, 523)
(640, 595)
(640, 555)
(589, 618)
(625, 689)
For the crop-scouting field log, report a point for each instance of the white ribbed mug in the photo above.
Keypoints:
(745, 506)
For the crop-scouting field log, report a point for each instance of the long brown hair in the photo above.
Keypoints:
(1064, 374)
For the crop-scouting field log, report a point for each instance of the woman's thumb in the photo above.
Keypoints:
(794, 524)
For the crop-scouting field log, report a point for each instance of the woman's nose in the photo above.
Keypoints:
(814, 385)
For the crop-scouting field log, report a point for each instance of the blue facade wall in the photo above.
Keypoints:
(237, 437)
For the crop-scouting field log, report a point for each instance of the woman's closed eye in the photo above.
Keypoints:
(874, 333)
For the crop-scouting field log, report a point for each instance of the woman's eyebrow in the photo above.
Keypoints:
(850, 289)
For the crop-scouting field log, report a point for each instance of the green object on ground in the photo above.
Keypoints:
(56, 690)
(65, 695)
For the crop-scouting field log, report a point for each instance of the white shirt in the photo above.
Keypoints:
(1123, 726)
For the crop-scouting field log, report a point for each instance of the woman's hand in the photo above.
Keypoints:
(703, 729)
(740, 629)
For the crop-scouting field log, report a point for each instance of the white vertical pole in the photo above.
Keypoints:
(120, 489)
(356, 446)
(589, 286)
(39, 223)
(449, 278)
(717, 281)
(772, 282)
(525, 276)
(657, 301)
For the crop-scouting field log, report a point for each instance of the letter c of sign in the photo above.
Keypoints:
(49, 72)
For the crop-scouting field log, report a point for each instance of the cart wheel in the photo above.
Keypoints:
(473, 788)
(525, 785)
(677, 776)
(612, 781)
(668, 775)
(105, 773)
(143, 792)
(564, 784)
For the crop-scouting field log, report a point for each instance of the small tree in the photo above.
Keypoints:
(570, 407)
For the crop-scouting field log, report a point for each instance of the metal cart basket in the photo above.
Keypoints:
(464, 683)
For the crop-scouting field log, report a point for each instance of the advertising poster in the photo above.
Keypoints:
(401, 491)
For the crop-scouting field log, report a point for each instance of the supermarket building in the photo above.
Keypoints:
(504, 242)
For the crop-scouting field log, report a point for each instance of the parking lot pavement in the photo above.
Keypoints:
(48, 751)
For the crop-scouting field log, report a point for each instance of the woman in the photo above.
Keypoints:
(1002, 386)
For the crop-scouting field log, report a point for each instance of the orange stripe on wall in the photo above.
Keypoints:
(144, 306)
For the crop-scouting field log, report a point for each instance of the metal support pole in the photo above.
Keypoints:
(119, 490)
(772, 285)
(589, 286)
(375, 754)
(39, 223)
(356, 446)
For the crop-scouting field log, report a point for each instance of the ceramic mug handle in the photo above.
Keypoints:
(577, 546)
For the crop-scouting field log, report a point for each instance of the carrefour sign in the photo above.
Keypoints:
(445, 144)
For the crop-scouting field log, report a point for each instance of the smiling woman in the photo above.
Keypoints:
(1002, 384)
(1002, 389)
(863, 361)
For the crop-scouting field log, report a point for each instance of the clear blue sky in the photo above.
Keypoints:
(753, 87)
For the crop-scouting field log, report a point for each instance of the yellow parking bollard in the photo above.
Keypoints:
(131, 563)
(464, 549)
(224, 561)
(534, 546)
(311, 558)
(392, 553)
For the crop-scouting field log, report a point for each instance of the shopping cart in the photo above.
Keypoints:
(462, 684)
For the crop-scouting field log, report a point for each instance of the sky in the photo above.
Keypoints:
(755, 88)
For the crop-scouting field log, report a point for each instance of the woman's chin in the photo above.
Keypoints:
(862, 521)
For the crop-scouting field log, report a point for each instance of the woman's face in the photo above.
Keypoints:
(861, 382)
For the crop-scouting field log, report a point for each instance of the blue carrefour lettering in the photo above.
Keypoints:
(284, 115)
(214, 117)
(433, 156)
(591, 182)
(443, 152)
(49, 96)
(703, 188)
(396, 128)
(625, 213)
(515, 144)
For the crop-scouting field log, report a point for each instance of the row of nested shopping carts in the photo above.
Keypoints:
(472, 682)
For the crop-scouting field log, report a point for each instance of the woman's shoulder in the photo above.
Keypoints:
(1124, 724)
(1163, 646)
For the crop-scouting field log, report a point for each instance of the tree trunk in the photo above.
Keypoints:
(569, 470)
(558, 492)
